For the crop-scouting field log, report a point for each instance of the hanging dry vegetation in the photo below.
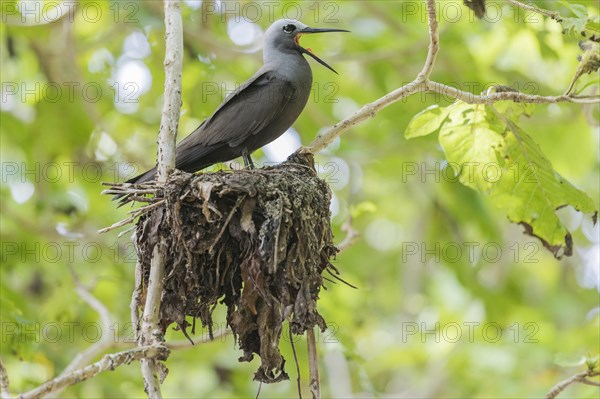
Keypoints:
(256, 240)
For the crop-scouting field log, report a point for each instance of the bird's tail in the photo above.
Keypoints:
(143, 178)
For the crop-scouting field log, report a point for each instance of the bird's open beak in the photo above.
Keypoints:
(309, 51)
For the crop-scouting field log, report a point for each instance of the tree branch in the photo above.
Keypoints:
(581, 377)
(555, 15)
(371, 109)
(514, 96)
(136, 300)
(108, 362)
(172, 95)
(151, 333)
(185, 343)
(367, 111)
(298, 379)
(313, 364)
(105, 341)
(434, 43)
(422, 83)
(351, 235)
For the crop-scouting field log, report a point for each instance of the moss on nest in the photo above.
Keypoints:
(257, 241)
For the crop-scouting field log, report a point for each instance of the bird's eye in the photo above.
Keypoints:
(289, 28)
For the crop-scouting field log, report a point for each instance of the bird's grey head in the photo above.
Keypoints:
(283, 37)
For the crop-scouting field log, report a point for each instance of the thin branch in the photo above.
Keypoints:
(313, 364)
(351, 236)
(184, 343)
(366, 112)
(122, 233)
(172, 96)
(178, 344)
(151, 333)
(108, 362)
(588, 382)
(434, 43)
(4, 382)
(118, 224)
(105, 341)
(298, 380)
(134, 214)
(136, 300)
(555, 15)
(75, 372)
(514, 96)
(371, 109)
(422, 83)
(581, 377)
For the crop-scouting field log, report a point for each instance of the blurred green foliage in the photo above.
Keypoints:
(453, 299)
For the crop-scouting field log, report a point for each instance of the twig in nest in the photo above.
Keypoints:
(135, 213)
(116, 225)
(229, 217)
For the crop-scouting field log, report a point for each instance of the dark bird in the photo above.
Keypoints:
(260, 110)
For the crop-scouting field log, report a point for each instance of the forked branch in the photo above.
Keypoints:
(422, 83)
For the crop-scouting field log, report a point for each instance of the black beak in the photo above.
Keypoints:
(309, 52)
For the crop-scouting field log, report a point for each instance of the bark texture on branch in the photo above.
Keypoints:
(108, 362)
(150, 334)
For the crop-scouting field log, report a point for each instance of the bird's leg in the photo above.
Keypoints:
(248, 164)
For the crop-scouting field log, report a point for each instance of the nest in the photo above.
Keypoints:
(257, 241)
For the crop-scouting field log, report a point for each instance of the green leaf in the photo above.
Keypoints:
(494, 156)
(471, 137)
(593, 25)
(532, 191)
(574, 25)
(592, 361)
(514, 111)
(362, 208)
(425, 122)
(579, 10)
(582, 23)
(568, 360)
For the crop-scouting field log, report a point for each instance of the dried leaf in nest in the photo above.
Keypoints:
(256, 240)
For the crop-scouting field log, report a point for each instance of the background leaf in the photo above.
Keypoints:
(425, 122)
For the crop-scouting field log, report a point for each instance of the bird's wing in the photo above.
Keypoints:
(247, 111)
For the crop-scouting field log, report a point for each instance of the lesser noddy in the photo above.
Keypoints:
(257, 112)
